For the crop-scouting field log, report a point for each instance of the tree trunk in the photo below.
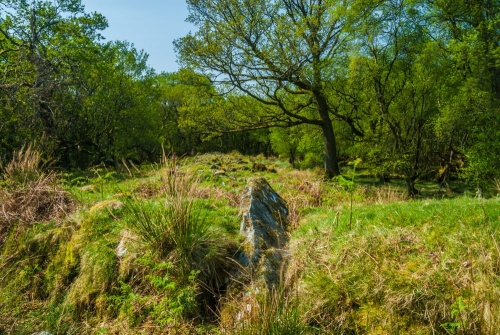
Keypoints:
(330, 150)
(410, 187)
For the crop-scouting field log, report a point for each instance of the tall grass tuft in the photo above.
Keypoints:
(31, 195)
(270, 313)
(175, 229)
(25, 166)
(496, 185)
(176, 224)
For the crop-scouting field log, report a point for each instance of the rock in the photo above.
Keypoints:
(262, 256)
(264, 219)
(121, 248)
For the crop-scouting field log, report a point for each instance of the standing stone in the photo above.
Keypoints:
(264, 219)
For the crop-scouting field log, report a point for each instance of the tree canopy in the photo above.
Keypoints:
(405, 83)
(281, 53)
(412, 87)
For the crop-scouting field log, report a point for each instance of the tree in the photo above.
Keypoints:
(469, 34)
(111, 110)
(190, 110)
(90, 101)
(404, 70)
(40, 42)
(280, 53)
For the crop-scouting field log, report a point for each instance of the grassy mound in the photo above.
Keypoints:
(429, 266)
(149, 252)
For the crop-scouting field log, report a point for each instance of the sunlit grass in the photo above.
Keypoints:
(145, 253)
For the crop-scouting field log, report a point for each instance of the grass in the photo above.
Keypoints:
(26, 166)
(399, 271)
(266, 313)
(30, 194)
(177, 227)
(422, 266)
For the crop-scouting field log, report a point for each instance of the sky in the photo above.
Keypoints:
(151, 25)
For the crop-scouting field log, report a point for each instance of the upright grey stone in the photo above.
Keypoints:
(264, 219)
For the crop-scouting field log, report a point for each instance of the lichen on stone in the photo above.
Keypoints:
(264, 221)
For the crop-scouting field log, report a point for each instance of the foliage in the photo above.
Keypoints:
(90, 101)
(283, 52)
(411, 87)
(423, 109)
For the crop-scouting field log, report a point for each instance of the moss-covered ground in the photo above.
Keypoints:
(135, 255)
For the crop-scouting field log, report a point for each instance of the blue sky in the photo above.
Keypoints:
(151, 25)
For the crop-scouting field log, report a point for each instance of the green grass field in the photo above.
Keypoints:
(145, 251)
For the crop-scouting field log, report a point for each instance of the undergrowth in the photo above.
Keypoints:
(423, 266)
(177, 230)
(152, 252)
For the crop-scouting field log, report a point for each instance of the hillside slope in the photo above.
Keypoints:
(143, 252)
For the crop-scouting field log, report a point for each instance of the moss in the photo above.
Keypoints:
(97, 275)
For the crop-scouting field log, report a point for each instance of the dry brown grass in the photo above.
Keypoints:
(295, 203)
(210, 192)
(40, 200)
(148, 190)
(383, 195)
(496, 185)
(30, 195)
(25, 166)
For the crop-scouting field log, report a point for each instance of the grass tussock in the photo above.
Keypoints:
(175, 229)
(26, 166)
(174, 223)
(496, 186)
(40, 200)
(275, 312)
(30, 194)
